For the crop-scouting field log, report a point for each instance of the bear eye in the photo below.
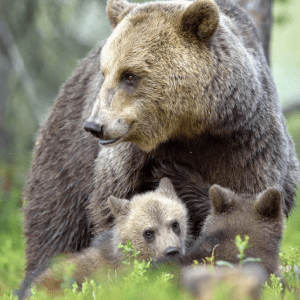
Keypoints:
(129, 82)
(176, 227)
(129, 78)
(148, 234)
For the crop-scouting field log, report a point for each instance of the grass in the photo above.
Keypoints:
(12, 258)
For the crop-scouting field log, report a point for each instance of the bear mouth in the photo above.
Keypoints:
(108, 142)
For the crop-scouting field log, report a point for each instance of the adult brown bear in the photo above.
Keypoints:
(176, 82)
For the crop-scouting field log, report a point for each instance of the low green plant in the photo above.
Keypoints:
(68, 280)
(8, 295)
(135, 281)
(241, 245)
(138, 274)
(290, 261)
(273, 288)
(129, 252)
(211, 259)
(139, 283)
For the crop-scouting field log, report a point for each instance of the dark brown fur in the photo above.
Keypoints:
(260, 217)
(60, 181)
(190, 188)
(206, 101)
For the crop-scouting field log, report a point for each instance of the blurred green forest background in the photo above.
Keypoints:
(41, 42)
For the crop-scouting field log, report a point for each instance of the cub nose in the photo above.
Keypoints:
(172, 251)
(95, 129)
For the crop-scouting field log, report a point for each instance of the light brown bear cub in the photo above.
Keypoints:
(155, 222)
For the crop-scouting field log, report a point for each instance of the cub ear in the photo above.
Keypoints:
(200, 19)
(118, 206)
(268, 203)
(166, 187)
(116, 10)
(221, 199)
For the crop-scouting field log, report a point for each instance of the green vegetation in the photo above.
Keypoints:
(12, 248)
(137, 282)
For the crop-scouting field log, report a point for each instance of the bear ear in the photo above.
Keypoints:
(268, 203)
(200, 19)
(221, 198)
(166, 187)
(116, 10)
(118, 206)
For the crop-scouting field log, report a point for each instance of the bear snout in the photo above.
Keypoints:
(172, 252)
(94, 129)
(108, 132)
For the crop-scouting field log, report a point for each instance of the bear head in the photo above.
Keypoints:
(155, 63)
(155, 222)
(260, 217)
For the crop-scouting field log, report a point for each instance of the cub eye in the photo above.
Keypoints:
(176, 227)
(129, 77)
(148, 234)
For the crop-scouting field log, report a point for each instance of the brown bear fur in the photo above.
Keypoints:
(182, 82)
(160, 213)
(260, 217)
(191, 189)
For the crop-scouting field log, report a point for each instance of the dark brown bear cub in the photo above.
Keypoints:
(260, 217)
(155, 222)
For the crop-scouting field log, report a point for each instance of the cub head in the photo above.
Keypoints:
(260, 217)
(155, 63)
(155, 222)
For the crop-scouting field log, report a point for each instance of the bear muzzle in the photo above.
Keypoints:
(106, 135)
(172, 252)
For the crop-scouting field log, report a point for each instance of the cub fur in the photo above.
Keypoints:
(155, 222)
(260, 217)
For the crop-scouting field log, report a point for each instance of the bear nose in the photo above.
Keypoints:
(172, 251)
(95, 129)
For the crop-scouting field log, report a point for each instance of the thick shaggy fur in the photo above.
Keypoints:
(260, 217)
(175, 82)
(155, 212)
(190, 188)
